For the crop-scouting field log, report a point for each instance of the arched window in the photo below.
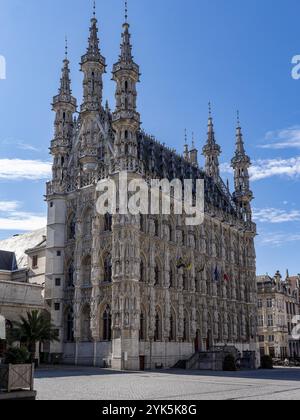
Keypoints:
(172, 327)
(72, 227)
(86, 324)
(69, 325)
(126, 86)
(185, 280)
(157, 334)
(106, 319)
(87, 223)
(186, 329)
(70, 275)
(142, 272)
(220, 329)
(157, 275)
(142, 327)
(107, 222)
(172, 278)
(156, 227)
(143, 226)
(107, 269)
(86, 271)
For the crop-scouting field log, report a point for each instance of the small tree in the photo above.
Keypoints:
(36, 328)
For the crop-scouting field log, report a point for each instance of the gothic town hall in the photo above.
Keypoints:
(134, 292)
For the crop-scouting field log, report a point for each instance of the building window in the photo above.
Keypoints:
(260, 321)
(171, 278)
(270, 321)
(70, 326)
(72, 228)
(142, 272)
(108, 222)
(157, 334)
(261, 338)
(259, 304)
(172, 328)
(185, 330)
(58, 254)
(107, 269)
(157, 275)
(71, 275)
(142, 327)
(57, 282)
(35, 260)
(270, 303)
(107, 324)
(271, 338)
(57, 306)
(51, 204)
(156, 227)
(185, 281)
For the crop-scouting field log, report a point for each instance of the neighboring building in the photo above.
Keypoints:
(278, 307)
(117, 286)
(21, 283)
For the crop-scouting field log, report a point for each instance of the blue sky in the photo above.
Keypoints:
(235, 54)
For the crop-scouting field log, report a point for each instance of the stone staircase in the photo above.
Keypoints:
(210, 360)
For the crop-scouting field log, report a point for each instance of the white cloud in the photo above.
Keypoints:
(12, 218)
(278, 239)
(18, 169)
(268, 168)
(19, 144)
(7, 206)
(275, 216)
(283, 139)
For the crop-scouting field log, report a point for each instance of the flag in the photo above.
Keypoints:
(226, 277)
(216, 275)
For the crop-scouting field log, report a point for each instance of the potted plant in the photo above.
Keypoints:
(36, 328)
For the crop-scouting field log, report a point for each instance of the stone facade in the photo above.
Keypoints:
(141, 291)
(278, 307)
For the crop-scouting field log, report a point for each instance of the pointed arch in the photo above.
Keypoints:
(106, 323)
(85, 323)
(87, 217)
(158, 325)
(173, 325)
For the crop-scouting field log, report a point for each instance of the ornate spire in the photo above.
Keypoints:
(240, 154)
(126, 119)
(93, 66)
(93, 50)
(186, 154)
(211, 151)
(241, 164)
(65, 91)
(194, 152)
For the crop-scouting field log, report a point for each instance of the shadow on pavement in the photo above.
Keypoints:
(278, 374)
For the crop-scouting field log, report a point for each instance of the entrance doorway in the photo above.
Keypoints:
(198, 342)
(142, 363)
(209, 341)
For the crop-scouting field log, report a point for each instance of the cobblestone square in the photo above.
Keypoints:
(69, 383)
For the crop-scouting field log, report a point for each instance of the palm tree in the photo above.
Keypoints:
(36, 328)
